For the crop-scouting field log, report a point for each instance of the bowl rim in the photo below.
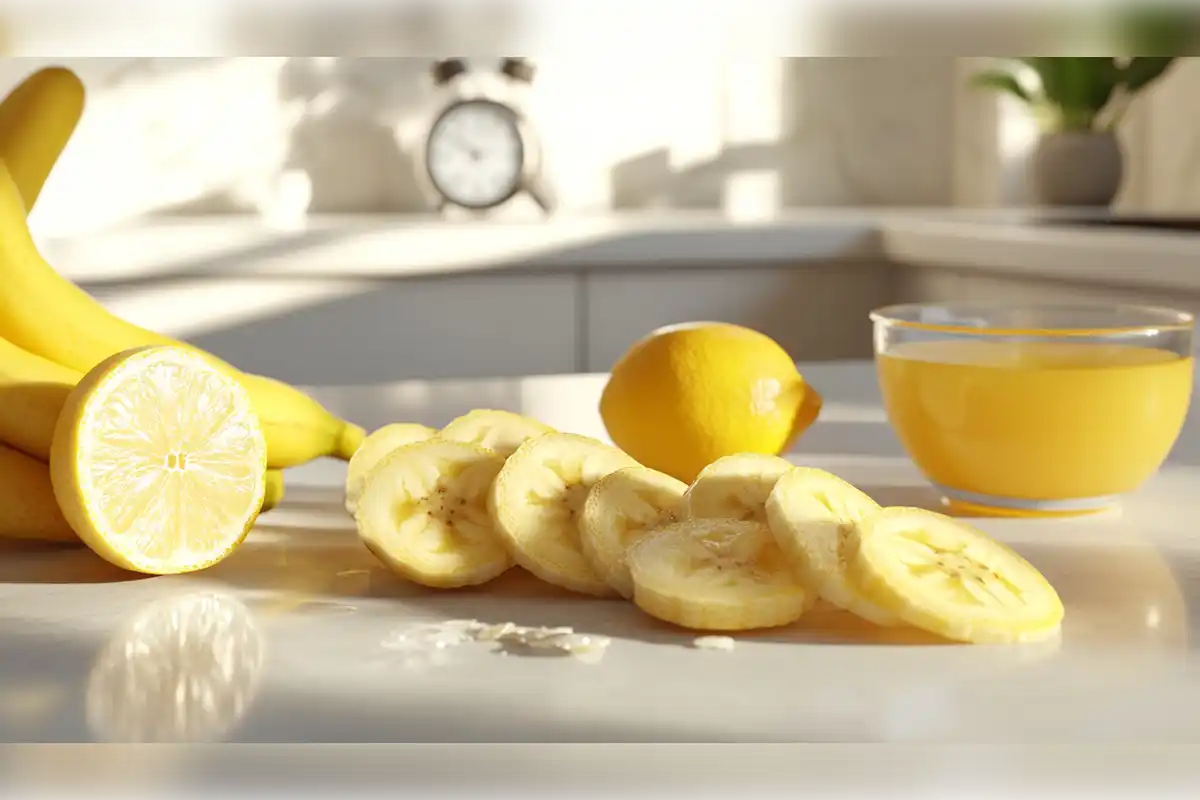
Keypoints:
(1158, 318)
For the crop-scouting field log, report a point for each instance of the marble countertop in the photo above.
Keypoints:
(387, 248)
(288, 640)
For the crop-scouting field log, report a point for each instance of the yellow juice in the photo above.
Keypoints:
(1035, 420)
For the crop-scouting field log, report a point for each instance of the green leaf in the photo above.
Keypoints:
(1078, 88)
(1049, 71)
(1097, 78)
(1073, 83)
(1001, 81)
(1141, 71)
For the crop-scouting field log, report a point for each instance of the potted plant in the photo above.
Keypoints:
(1079, 102)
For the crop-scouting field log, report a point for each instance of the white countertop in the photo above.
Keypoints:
(388, 248)
(1146, 259)
(301, 615)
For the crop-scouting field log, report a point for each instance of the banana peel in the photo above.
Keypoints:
(37, 119)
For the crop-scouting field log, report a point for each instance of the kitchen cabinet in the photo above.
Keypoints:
(479, 325)
(503, 324)
(816, 312)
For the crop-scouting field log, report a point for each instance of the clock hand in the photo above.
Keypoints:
(465, 146)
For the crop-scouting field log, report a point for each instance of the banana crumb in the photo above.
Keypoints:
(560, 641)
(512, 638)
(725, 643)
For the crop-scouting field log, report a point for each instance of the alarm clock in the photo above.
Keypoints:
(481, 151)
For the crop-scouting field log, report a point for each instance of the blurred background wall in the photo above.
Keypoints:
(638, 132)
(210, 135)
(686, 110)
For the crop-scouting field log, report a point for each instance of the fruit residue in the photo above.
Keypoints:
(437, 637)
(725, 643)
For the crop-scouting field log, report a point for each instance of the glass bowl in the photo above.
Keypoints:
(1034, 410)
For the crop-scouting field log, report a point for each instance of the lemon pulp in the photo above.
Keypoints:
(159, 461)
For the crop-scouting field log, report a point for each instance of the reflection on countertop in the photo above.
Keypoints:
(183, 669)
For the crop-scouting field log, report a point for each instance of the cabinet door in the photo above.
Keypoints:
(476, 326)
(817, 313)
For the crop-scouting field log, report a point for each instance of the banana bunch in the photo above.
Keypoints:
(52, 332)
(752, 543)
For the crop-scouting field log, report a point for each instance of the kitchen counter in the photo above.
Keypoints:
(1044, 244)
(293, 637)
(1121, 256)
(368, 247)
(379, 299)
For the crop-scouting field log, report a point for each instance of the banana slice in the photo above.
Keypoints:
(372, 450)
(950, 579)
(424, 513)
(716, 575)
(810, 512)
(499, 431)
(735, 487)
(619, 510)
(537, 500)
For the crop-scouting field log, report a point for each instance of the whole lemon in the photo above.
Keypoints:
(689, 394)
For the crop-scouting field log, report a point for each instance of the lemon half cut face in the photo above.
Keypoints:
(159, 461)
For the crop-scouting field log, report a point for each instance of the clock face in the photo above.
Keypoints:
(475, 154)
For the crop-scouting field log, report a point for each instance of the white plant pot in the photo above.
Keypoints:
(1077, 169)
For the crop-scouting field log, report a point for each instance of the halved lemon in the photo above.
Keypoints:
(158, 461)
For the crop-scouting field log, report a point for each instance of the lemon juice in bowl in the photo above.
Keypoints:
(1035, 410)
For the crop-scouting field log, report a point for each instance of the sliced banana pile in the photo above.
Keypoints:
(620, 510)
(374, 447)
(537, 501)
(424, 513)
(735, 487)
(716, 575)
(811, 513)
(752, 543)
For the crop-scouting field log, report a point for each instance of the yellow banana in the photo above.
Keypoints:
(297, 427)
(36, 120)
(27, 498)
(274, 493)
(33, 391)
(49, 316)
